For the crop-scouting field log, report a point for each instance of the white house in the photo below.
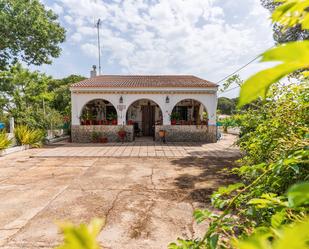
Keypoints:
(184, 106)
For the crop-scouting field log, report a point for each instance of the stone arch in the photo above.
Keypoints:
(158, 99)
(189, 112)
(144, 113)
(99, 110)
(209, 103)
(80, 100)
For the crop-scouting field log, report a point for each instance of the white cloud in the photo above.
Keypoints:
(209, 38)
(76, 37)
(57, 9)
(90, 49)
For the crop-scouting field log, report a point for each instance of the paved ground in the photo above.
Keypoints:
(141, 148)
(147, 202)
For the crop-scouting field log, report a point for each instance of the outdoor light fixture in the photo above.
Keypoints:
(120, 100)
(167, 100)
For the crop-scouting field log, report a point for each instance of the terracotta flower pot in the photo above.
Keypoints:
(103, 140)
(122, 134)
(162, 133)
(114, 122)
(173, 122)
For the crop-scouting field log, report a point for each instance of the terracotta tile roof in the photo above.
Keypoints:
(147, 81)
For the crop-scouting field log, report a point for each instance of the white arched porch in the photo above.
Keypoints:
(165, 99)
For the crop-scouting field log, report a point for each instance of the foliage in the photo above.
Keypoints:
(35, 99)
(256, 212)
(284, 34)
(112, 116)
(279, 125)
(274, 142)
(228, 122)
(293, 56)
(82, 236)
(175, 116)
(292, 12)
(5, 119)
(95, 136)
(233, 80)
(27, 136)
(24, 95)
(293, 236)
(28, 32)
(5, 142)
(226, 106)
(61, 100)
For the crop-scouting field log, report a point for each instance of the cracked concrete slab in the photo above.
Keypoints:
(145, 202)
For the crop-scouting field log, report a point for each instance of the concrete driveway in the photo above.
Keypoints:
(147, 202)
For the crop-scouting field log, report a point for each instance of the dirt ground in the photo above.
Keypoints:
(146, 202)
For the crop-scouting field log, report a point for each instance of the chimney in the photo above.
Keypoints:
(93, 72)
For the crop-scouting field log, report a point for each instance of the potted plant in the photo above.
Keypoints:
(112, 117)
(175, 116)
(82, 119)
(95, 137)
(122, 133)
(87, 118)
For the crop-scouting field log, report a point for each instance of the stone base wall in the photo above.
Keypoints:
(84, 133)
(187, 133)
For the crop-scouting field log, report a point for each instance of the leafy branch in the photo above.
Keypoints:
(292, 56)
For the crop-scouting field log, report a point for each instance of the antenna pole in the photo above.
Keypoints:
(99, 47)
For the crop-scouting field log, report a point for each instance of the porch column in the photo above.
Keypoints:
(212, 119)
(166, 117)
(75, 109)
(121, 116)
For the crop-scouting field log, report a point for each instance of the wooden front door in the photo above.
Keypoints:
(148, 120)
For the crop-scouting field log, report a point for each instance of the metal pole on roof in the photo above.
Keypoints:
(99, 47)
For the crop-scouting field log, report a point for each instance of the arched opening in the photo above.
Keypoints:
(98, 112)
(144, 114)
(189, 112)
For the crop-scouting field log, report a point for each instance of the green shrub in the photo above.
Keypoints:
(82, 236)
(175, 116)
(5, 142)
(274, 143)
(27, 136)
(228, 122)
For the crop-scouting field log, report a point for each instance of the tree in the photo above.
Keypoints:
(24, 95)
(281, 34)
(28, 32)
(233, 80)
(61, 100)
(269, 208)
(226, 106)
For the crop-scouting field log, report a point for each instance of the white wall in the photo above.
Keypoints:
(83, 96)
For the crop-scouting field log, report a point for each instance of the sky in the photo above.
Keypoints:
(206, 38)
